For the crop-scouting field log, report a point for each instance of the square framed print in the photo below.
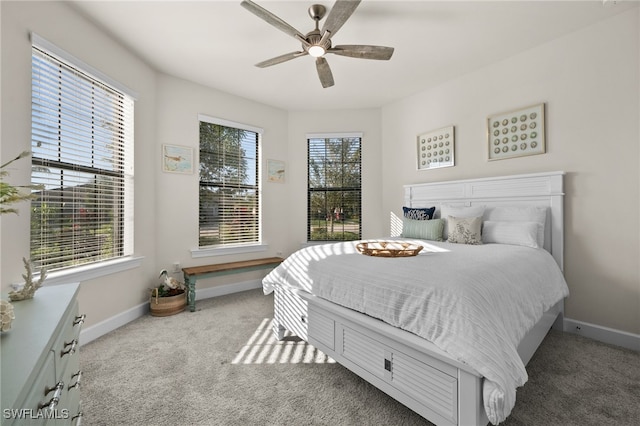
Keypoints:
(276, 171)
(177, 159)
(517, 133)
(436, 149)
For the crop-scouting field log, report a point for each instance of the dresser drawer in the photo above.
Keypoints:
(72, 378)
(67, 344)
(38, 363)
(42, 394)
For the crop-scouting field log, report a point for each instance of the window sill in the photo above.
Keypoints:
(319, 243)
(221, 251)
(96, 270)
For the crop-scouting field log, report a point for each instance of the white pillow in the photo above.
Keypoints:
(459, 212)
(520, 214)
(515, 233)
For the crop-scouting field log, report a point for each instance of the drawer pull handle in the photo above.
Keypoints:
(56, 396)
(71, 350)
(78, 416)
(79, 320)
(303, 319)
(78, 377)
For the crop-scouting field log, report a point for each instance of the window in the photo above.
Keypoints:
(82, 159)
(334, 187)
(229, 183)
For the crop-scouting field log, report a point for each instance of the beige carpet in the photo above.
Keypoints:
(221, 366)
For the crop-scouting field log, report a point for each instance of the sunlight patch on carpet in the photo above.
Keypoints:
(263, 348)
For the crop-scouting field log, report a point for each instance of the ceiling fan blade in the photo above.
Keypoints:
(324, 72)
(279, 59)
(338, 15)
(270, 18)
(382, 53)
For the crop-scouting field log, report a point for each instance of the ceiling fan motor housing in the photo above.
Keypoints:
(314, 38)
(317, 11)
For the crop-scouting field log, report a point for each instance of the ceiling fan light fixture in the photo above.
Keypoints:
(316, 51)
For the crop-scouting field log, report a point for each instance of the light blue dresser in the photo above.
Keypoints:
(40, 361)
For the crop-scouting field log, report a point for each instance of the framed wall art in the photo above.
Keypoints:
(517, 133)
(177, 159)
(436, 149)
(275, 171)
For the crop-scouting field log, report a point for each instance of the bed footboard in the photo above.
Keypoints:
(410, 369)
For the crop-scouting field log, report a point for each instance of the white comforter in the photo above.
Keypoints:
(474, 302)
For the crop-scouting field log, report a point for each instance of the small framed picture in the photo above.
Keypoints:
(516, 133)
(436, 149)
(276, 170)
(177, 159)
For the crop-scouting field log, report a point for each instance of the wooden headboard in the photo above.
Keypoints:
(539, 189)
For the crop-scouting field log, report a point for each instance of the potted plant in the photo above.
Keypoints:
(10, 194)
(168, 298)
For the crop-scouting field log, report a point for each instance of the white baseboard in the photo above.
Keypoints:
(103, 327)
(100, 329)
(603, 334)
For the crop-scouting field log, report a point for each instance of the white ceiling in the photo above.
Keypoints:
(217, 43)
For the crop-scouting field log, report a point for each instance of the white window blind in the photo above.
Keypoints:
(334, 197)
(229, 201)
(82, 157)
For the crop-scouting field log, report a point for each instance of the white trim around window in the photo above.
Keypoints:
(334, 135)
(226, 250)
(93, 270)
(65, 56)
(228, 123)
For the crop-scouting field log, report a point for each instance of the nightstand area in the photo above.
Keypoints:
(40, 364)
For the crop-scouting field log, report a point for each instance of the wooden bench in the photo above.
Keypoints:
(192, 274)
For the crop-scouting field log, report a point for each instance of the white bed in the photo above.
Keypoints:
(440, 379)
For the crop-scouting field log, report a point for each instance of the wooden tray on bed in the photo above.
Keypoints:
(388, 249)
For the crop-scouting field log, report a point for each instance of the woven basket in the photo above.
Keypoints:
(165, 306)
(389, 249)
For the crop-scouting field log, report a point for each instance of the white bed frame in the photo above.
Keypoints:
(408, 368)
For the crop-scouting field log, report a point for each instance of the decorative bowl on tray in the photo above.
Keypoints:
(388, 248)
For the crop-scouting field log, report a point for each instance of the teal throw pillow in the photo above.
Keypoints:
(423, 229)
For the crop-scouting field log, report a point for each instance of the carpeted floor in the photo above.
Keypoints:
(220, 365)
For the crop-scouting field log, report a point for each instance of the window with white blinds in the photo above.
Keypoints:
(229, 202)
(334, 197)
(82, 159)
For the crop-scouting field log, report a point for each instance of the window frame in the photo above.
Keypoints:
(310, 190)
(233, 247)
(124, 259)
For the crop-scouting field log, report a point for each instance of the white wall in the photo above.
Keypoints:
(166, 205)
(589, 81)
(103, 297)
(301, 123)
(176, 210)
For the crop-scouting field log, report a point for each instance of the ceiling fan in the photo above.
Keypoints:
(317, 42)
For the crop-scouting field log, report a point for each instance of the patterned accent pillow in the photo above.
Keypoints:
(423, 229)
(465, 230)
(419, 214)
(458, 211)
